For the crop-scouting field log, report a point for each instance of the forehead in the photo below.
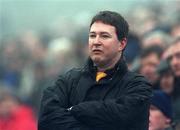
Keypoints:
(155, 110)
(102, 27)
(174, 49)
(152, 57)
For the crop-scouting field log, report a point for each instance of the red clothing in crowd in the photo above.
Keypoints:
(21, 119)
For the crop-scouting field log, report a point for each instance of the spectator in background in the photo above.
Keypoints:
(175, 30)
(160, 112)
(167, 82)
(166, 77)
(13, 114)
(173, 56)
(133, 48)
(149, 60)
(156, 38)
(11, 63)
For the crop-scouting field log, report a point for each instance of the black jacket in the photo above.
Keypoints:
(123, 104)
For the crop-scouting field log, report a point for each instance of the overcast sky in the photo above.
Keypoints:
(34, 14)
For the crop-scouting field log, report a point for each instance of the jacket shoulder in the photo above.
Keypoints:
(70, 77)
(65, 80)
(132, 76)
(72, 74)
(136, 81)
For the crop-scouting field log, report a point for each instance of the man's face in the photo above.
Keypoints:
(104, 46)
(174, 58)
(148, 67)
(167, 82)
(157, 120)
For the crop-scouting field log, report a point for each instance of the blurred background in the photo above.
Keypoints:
(40, 39)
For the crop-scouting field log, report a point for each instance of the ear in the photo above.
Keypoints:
(122, 44)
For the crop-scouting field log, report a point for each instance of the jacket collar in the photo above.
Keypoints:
(120, 66)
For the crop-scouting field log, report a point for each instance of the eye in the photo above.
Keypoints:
(105, 36)
(92, 35)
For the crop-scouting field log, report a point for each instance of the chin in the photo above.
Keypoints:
(97, 60)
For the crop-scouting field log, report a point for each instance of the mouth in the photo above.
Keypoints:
(97, 51)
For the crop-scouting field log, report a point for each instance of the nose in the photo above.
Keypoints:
(97, 40)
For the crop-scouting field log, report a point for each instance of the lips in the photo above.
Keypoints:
(97, 51)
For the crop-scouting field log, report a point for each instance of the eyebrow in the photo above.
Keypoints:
(172, 55)
(176, 53)
(100, 33)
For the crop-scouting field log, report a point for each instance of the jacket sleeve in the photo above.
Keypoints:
(117, 112)
(53, 111)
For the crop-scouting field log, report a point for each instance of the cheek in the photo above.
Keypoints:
(175, 62)
(169, 79)
(157, 118)
(89, 44)
(155, 121)
(90, 41)
(146, 69)
(164, 82)
(89, 47)
(111, 47)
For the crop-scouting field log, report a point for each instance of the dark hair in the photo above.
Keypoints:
(152, 49)
(114, 19)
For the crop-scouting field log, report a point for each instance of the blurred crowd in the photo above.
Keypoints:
(30, 61)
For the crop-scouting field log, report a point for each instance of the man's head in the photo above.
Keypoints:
(107, 38)
(160, 111)
(150, 59)
(114, 19)
(174, 56)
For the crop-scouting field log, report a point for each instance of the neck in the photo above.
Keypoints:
(109, 65)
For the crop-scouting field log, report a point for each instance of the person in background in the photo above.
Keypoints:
(103, 94)
(172, 54)
(156, 38)
(175, 30)
(160, 111)
(133, 48)
(166, 77)
(149, 60)
(13, 114)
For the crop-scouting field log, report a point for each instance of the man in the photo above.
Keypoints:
(173, 56)
(149, 60)
(160, 112)
(102, 95)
